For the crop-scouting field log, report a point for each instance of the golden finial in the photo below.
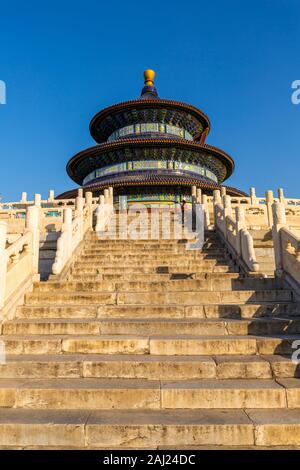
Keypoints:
(149, 76)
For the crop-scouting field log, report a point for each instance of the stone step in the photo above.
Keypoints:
(69, 297)
(137, 246)
(187, 256)
(199, 297)
(98, 268)
(157, 345)
(153, 264)
(95, 394)
(161, 326)
(235, 311)
(167, 285)
(140, 429)
(76, 276)
(67, 311)
(170, 297)
(148, 366)
(155, 247)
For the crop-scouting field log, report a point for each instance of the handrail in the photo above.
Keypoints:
(18, 261)
(234, 232)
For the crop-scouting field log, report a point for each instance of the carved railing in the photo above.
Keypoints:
(75, 228)
(234, 233)
(73, 231)
(286, 247)
(18, 263)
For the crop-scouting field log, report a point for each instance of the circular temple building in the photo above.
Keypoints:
(150, 150)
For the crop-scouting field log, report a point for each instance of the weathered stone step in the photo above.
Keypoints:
(161, 326)
(39, 311)
(75, 275)
(155, 247)
(170, 297)
(157, 345)
(221, 345)
(98, 268)
(95, 394)
(52, 311)
(188, 256)
(149, 428)
(159, 285)
(148, 366)
(208, 297)
(69, 297)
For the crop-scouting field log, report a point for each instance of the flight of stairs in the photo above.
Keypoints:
(147, 344)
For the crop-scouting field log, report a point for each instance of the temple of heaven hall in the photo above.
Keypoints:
(150, 150)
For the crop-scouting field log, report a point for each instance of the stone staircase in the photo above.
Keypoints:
(147, 344)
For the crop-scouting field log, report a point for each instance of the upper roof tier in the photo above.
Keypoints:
(149, 108)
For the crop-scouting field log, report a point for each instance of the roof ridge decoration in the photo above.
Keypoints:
(149, 91)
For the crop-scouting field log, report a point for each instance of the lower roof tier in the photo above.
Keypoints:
(100, 156)
(152, 182)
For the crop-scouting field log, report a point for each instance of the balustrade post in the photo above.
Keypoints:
(206, 212)
(253, 197)
(79, 205)
(194, 201)
(240, 225)
(223, 191)
(64, 244)
(89, 204)
(216, 201)
(37, 200)
(3, 261)
(199, 196)
(23, 197)
(33, 226)
(227, 205)
(100, 214)
(111, 196)
(279, 221)
(281, 195)
(67, 230)
(80, 192)
(269, 202)
(217, 196)
(51, 195)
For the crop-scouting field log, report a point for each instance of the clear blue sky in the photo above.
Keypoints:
(63, 61)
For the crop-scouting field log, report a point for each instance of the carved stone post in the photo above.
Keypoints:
(3, 261)
(100, 214)
(279, 221)
(33, 226)
(64, 243)
(89, 204)
(37, 200)
(51, 195)
(206, 212)
(217, 196)
(67, 228)
(79, 205)
(24, 197)
(269, 202)
(240, 225)
(227, 205)
(216, 201)
(223, 191)
(111, 195)
(253, 197)
(199, 196)
(80, 192)
(194, 201)
(281, 195)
